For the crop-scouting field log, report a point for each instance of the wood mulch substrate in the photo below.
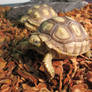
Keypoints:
(25, 74)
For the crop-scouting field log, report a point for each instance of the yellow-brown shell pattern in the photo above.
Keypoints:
(38, 13)
(67, 36)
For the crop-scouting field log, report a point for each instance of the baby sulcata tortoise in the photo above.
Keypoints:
(36, 15)
(59, 37)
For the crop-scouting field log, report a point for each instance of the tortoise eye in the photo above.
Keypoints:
(35, 40)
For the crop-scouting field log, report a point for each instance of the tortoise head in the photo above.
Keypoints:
(35, 40)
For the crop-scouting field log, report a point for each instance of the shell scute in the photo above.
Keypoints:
(36, 6)
(76, 29)
(36, 14)
(45, 12)
(59, 19)
(77, 48)
(47, 27)
(84, 44)
(62, 33)
(69, 47)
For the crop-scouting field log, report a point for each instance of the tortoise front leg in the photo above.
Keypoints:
(47, 62)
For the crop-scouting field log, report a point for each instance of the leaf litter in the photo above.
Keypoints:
(26, 74)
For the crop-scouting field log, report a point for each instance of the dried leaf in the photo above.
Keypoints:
(2, 63)
(27, 75)
(28, 88)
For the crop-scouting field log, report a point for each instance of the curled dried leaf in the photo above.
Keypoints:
(44, 90)
(89, 76)
(79, 88)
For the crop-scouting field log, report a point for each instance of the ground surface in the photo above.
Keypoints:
(25, 73)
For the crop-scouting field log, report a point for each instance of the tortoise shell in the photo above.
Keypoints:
(36, 15)
(65, 35)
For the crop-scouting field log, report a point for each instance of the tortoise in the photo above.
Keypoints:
(36, 15)
(59, 38)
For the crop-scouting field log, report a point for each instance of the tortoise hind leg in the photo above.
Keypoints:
(47, 62)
